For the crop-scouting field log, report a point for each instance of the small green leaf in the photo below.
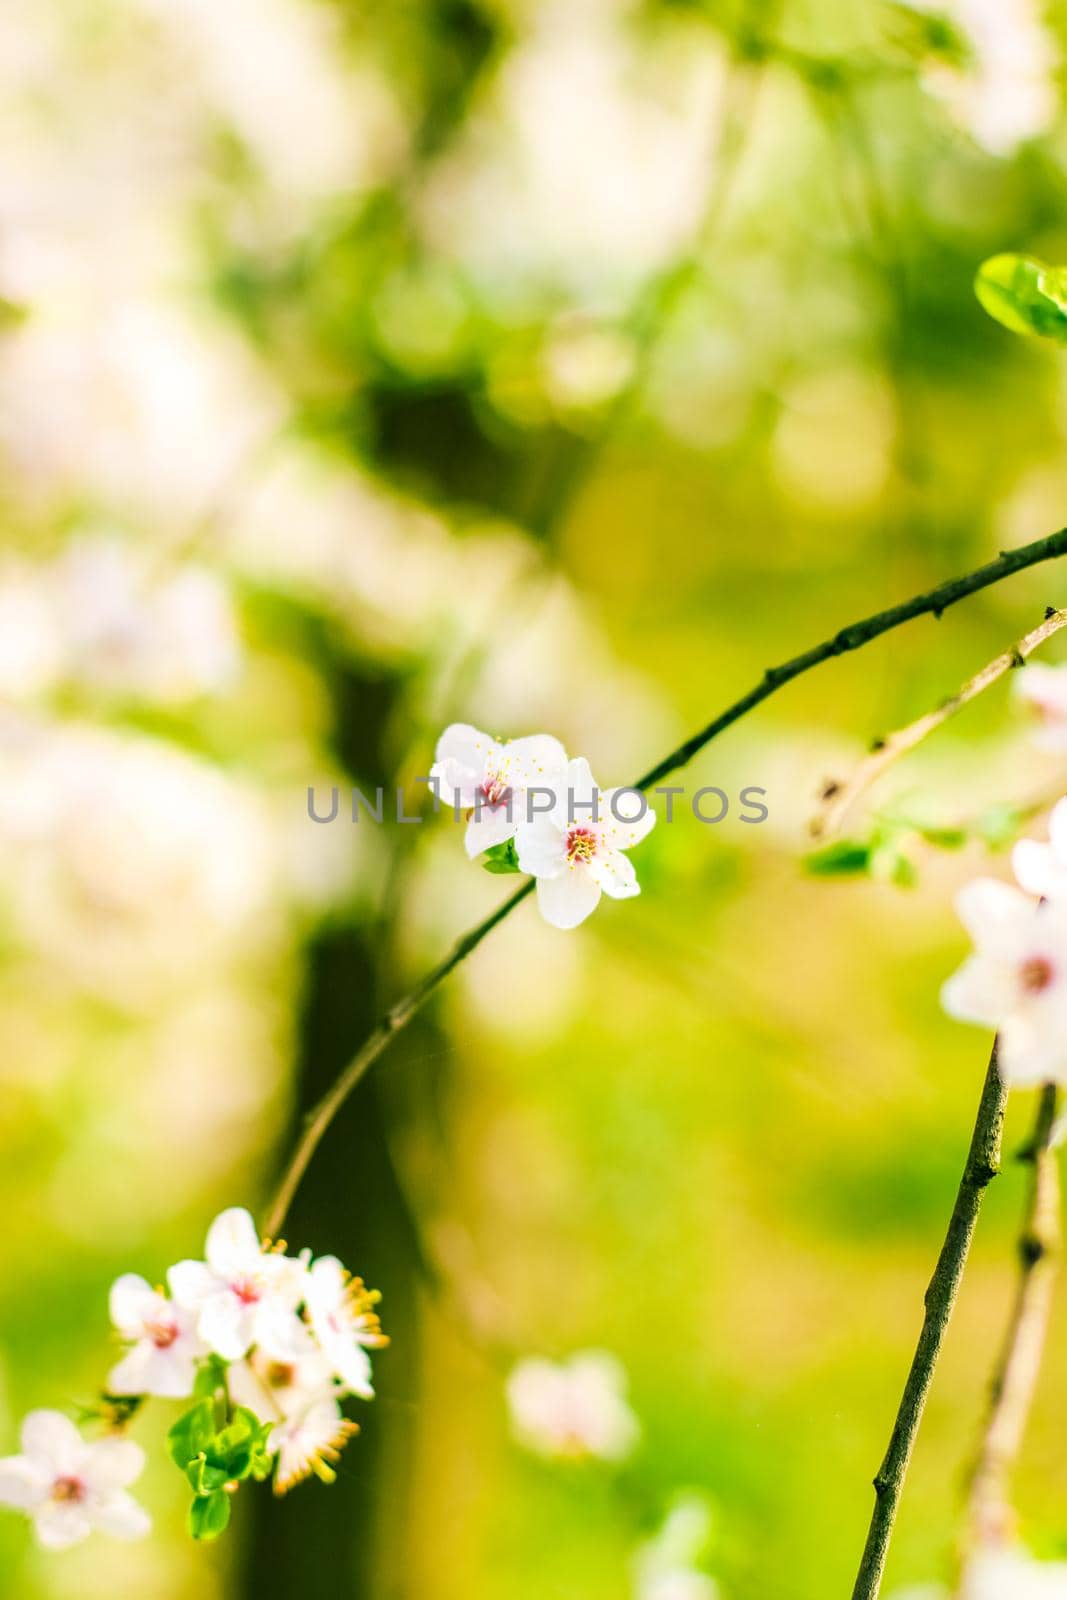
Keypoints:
(210, 1378)
(205, 1478)
(1025, 295)
(890, 865)
(192, 1434)
(844, 858)
(209, 1515)
(502, 858)
(945, 838)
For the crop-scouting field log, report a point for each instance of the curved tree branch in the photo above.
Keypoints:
(983, 1165)
(990, 1517)
(839, 797)
(932, 603)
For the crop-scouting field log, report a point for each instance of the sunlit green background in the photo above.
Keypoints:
(547, 364)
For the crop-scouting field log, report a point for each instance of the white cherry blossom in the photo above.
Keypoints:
(299, 1395)
(665, 1567)
(344, 1321)
(574, 1410)
(164, 1343)
(576, 851)
(1016, 980)
(1042, 868)
(1043, 692)
(1004, 92)
(1013, 1574)
(68, 1485)
(243, 1294)
(475, 772)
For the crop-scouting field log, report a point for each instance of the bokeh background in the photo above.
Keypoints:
(547, 364)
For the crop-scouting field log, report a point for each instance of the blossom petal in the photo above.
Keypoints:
(122, 1517)
(233, 1244)
(992, 911)
(352, 1365)
(51, 1439)
(635, 819)
(977, 993)
(1035, 866)
(581, 789)
(317, 1435)
(615, 874)
(540, 848)
(460, 762)
(536, 759)
(225, 1326)
(1057, 825)
(192, 1283)
(22, 1484)
(280, 1332)
(170, 1373)
(567, 900)
(492, 825)
(59, 1524)
(114, 1463)
(131, 1303)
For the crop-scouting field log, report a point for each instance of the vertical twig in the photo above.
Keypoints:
(990, 1517)
(983, 1164)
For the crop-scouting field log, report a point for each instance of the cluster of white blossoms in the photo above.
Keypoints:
(526, 798)
(269, 1344)
(1016, 979)
(575, 1410)
(578, 1411)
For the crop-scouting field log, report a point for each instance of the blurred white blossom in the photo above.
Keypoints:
(666, 1567)
(590, 159)
(1013, 1575)
(574, 1410)
(68, 1486)
(129, 863)
(1016, 980)
(1042, 690)
(1005, 91)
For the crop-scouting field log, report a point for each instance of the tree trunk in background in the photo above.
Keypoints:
(347, 1539)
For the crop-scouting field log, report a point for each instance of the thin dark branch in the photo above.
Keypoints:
(983, 1165)
(857, 634)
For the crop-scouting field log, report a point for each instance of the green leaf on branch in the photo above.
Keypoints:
(209, 1515)
(191, 1435)
(844, 858)
(210, 1378)
(502, 858)
(203, 1477)
(1025, 295)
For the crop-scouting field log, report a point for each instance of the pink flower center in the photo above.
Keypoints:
(496, 790)
(580, 844)
(247, 1291)
(1036, 974)
(68, 1491)
(162, 1334)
